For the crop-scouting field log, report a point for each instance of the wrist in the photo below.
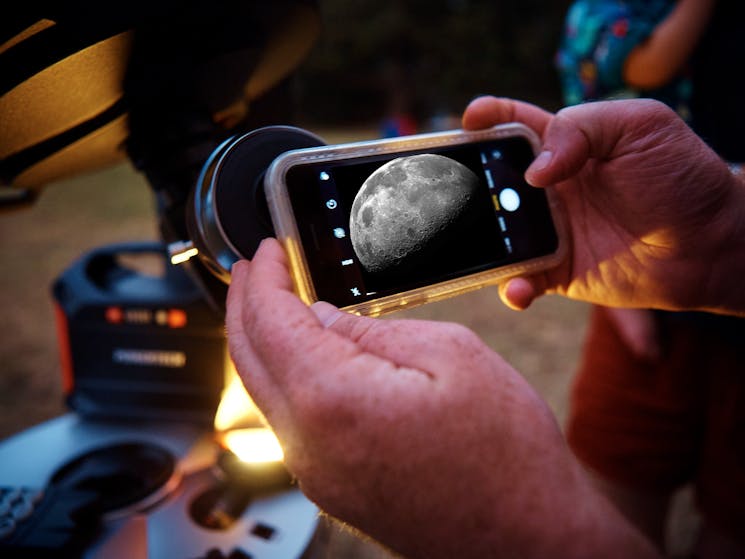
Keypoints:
(597, 529)
(526, 523)
(590, 524)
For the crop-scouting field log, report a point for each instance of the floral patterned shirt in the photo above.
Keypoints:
(597, 38)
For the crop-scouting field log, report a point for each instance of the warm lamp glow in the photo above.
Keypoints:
(258, 445)
(236, 408)
(240, 426)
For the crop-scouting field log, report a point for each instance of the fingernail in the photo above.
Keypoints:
(540, 162)
(326, 313)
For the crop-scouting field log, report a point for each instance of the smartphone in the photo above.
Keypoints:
(375, 226)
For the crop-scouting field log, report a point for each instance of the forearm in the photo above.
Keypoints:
(535, 519)
(598, 528)
(663, 55)
(524, 495)
(574, 520)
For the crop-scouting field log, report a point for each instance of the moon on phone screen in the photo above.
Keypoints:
(405, 209)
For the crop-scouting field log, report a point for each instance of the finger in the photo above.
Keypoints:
(376, 337)
(326, 313)
(418, 346)
(518, 293)
(250, 369)
(487, 111)
(237, 340)
(287, 338)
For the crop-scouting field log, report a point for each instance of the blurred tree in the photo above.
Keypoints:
(428, 57)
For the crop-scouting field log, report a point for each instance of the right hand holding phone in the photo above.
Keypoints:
(653, 212)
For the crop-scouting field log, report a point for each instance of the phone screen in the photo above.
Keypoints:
(377, 225)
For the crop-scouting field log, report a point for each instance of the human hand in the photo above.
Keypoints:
(230, 116)
(414, 432)
(653, 214)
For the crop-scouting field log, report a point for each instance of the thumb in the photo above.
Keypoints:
(566, 147)
(346, 324)
(326, 313)
(426, 346)
(601, 130)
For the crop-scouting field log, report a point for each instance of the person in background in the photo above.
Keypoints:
(635, 48)
(654, 401)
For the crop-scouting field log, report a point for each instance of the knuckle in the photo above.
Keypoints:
(465, 338)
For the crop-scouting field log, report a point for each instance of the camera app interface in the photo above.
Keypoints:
(383, 224)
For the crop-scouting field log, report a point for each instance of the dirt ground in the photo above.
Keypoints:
(114, 205)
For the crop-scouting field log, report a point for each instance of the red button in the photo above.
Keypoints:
(176, 318)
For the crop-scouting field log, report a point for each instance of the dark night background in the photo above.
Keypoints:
(428, 57)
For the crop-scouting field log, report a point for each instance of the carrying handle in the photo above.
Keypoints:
(104, 265)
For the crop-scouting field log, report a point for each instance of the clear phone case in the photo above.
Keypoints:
(287, 232)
